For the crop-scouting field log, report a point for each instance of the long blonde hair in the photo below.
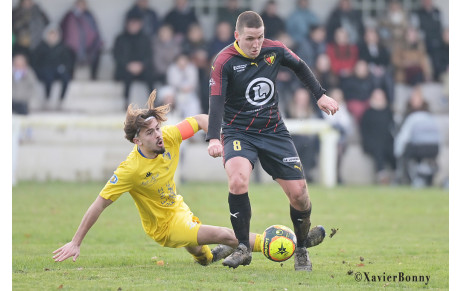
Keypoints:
(136, 117)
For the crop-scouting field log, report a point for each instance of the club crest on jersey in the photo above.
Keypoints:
(270, 58)
(167, 155)
(113, 179)
(260, 91)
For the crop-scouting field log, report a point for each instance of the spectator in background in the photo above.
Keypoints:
(346, 17)
(358, 89)
(132, 53)
(428, 19)
(24, 84)
(81, 34)
(180, 17)
(342, 53)
(52, 61)
(167, 95)
(300, 21)
(201, 60)
(314, 45)
(273, 23)
(29, 22)
(440, 57)
(149, 17)
(443, 60)
(182, 75)
(195, 40)
(222, 38)
(417, 142)
(393, 25)
(378, 60)
(229, 12)
(307, 146)
(286, 80)
(166, 48)
(323, 73)
(377, 135)
(196, 48)
(410, 60)
(343, 122)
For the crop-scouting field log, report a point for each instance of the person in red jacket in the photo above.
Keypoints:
(342, 54)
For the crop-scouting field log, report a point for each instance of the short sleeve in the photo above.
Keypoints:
(121, 182)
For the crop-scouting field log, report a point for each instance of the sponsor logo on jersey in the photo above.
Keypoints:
(212, 82)
(270, 58)
(240, 68)
(150, 179)
(113, 179)
(260, 91)
(291, 160)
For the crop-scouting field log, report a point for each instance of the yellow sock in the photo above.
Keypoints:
(257, 243)
(205, 258)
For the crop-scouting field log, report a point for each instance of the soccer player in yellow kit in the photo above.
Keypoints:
(147, 175)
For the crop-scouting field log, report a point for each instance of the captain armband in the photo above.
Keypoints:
(188, 127)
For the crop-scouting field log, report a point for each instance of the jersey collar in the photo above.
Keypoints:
(235, 44)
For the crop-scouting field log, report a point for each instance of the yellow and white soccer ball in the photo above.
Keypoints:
(279, 243)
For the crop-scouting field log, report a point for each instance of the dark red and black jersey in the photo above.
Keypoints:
(243, 91)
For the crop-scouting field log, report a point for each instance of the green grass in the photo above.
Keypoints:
(393, 229)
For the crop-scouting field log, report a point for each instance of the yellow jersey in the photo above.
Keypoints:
(150, 183)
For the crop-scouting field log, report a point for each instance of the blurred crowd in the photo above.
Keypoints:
(359, 64)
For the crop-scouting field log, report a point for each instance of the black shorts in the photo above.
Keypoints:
(276, 152)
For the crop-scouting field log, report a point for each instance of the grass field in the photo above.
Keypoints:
(382, 231)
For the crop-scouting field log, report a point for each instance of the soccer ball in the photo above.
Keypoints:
(279, 243)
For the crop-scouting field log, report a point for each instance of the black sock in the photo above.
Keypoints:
(301, 221)
(240, 216)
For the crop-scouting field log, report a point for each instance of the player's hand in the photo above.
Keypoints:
(328, 105)
(215, 148)
(68, 250)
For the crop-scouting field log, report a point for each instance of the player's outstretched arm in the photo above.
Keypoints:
(203, 121)
(328, 105)
(72, 248)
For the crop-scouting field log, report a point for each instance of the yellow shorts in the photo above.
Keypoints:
(182, 229)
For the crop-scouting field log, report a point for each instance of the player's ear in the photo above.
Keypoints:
(137, 141)
(237, 35)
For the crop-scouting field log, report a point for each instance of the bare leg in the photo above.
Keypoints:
(210, 234)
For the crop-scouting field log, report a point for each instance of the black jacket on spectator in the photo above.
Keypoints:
(53, 63)
(355, 88)
(129, 48)
(274, 25)
(382, 58)
(53, 57)
(431, 26)
(180, 21)
(376, 136)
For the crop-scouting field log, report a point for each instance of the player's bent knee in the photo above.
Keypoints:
(238, 184)
(298, 196)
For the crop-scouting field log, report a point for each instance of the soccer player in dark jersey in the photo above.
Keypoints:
(244, 104)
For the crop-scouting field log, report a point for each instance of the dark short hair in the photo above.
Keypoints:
(249, 19)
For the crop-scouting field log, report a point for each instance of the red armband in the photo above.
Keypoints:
(185, 129)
